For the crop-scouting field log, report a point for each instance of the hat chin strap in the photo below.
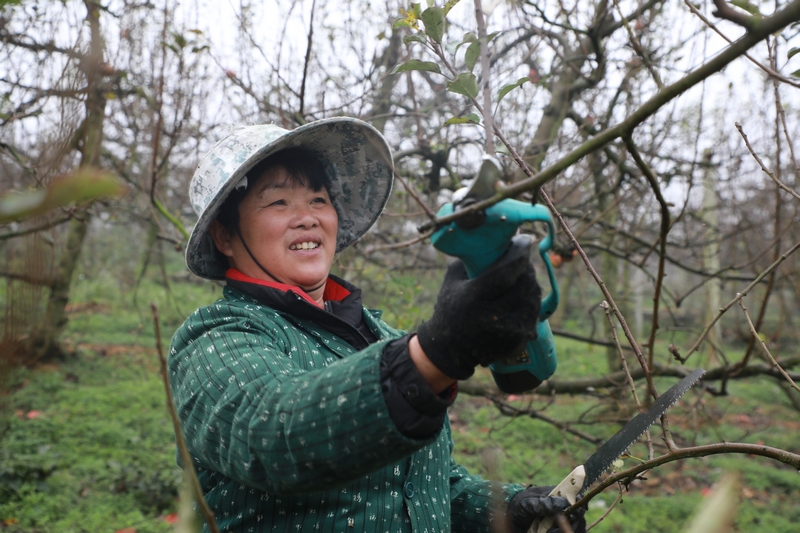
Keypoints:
(267, 272)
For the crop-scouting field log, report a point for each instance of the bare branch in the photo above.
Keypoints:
(764, 346)
(772, 176)
(730, 304)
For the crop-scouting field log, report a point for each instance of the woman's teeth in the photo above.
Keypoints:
(304, 246)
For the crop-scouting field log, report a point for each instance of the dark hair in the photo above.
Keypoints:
(303, 167)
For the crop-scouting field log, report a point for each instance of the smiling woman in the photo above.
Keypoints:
(303, 410)
(282, 226)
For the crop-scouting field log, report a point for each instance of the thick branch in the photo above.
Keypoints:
(777, 454)
(767, 26)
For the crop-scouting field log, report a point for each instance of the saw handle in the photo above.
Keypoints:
(567, 489)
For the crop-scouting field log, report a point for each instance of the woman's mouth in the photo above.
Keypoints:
(304, 246)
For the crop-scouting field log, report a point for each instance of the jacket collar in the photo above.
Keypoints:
(342, 313)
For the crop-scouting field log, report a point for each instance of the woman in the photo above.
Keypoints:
(304, 411)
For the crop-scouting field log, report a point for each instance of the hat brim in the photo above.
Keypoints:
(355, 155)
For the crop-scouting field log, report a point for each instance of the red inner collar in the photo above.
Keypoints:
(333, 291)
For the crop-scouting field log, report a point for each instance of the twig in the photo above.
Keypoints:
(605, 514)
(631, 383)
(600, 283)
(637, 47)
(414, 195)
(592, 386)
(509, 410)
(307, 60)
(763, 167)
(730, 304)
(724, 11)
(764, 345)
(172, 218)
(766, 26)
(588, 340)
(396, 246)
(762, 312)
(159, 107)
(662, 253)
(488, 122)
(34, 229)
(188, 463)
(770, 72)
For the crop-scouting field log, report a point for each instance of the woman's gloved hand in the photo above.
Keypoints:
(534, 504)
(486, 319)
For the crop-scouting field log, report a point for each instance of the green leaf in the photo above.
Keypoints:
(416, 64)
(450, 4)
(453, 46)
(472, 118)
(401, 23)
(747, 6)
(793, 52)
(79, 187)
(413, 38)
(501, 148)
(472, 54)
(474, 50)
(505, 89)
(433, 18)
(795, 74)
(465, 83)
(180, 40)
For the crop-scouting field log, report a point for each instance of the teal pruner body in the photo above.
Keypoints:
(479, 245)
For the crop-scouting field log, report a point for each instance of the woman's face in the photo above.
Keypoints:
(290, 229)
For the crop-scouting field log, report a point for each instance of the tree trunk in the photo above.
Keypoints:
(711, 256)
(45, 342)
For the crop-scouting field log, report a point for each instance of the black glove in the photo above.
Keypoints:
(534, 504)
(486, 319)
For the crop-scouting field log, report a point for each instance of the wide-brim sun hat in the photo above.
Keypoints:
(356, 158)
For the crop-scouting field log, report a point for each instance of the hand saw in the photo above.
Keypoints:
(581, 478)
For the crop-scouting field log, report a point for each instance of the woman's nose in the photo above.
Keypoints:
(304, 217)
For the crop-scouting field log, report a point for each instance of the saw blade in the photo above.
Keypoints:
(604, 457)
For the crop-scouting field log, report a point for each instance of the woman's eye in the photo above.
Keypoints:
(278, 202)
(320, 200)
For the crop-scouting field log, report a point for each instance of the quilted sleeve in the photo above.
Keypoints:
(275, 408)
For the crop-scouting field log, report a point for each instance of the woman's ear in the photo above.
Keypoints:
(222, 238)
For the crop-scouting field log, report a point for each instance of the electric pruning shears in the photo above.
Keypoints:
(479, 239)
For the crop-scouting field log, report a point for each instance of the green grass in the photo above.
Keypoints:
(100, 454)
(88, 447)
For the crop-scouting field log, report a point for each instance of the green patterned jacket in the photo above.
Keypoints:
(289, 431)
